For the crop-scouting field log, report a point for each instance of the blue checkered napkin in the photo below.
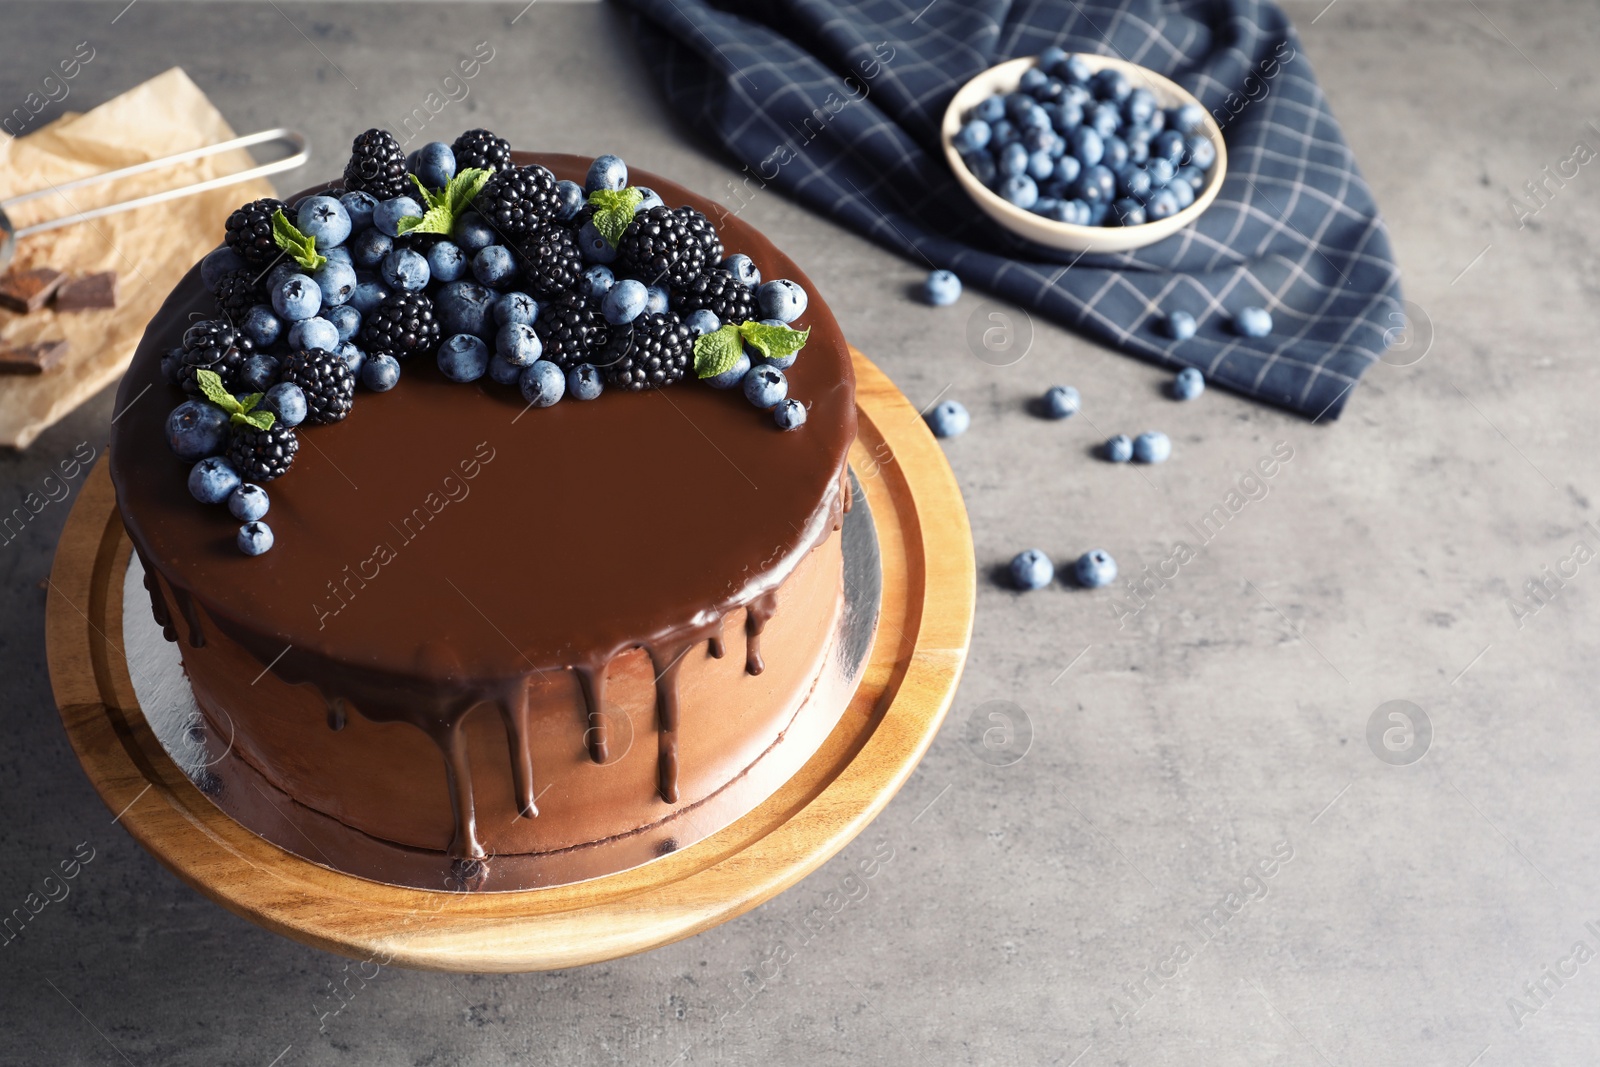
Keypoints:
(840, 103)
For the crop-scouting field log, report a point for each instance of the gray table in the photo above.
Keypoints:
(1072, 906)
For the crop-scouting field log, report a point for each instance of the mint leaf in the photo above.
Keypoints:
(446, 205)
(716, 352)
(248, 404)
(464, 189)
(259, 420)
(434, 220)
(429, 197)
(613, 211)
(210, 383)
(774, 342)
(301, 249)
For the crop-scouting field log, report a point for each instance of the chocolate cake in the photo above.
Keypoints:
(487, 627)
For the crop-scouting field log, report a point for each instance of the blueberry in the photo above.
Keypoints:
(368, 247)
(1104, 119)
(254, 538)
(1086, 145)
(596, 281)
(789, 414)
(338, 255)
(1252, 322)
(370, 292)
(1111, 84)
(248, 502)
(1152, 446)
(494, 266)
(1051, 58)
(651, 199)
(542, 384)
(346, 320)
(446, 262)
(287, 401)
(782, 299)
(733, 376)
(262, 326)
(981, 166)
(606, 172)
(1067, 170)
(584, 382)
(1180, 325)
(218, 261)
(1075, 70)
(702, 321)
(1168, 145)
(359, 206)
(1133, 182)
(941, 288)
(196, 429)
(337, 281)
(473, 233)
(325, 219)
(504, 371)
(1031, 569)
(407, 271)
(1181, 190)
(1020, 190)
(463, 357)
(1201, 152)
(517, 344)
(1161, 172)
(1068, 113)
(1140, 107)
(949, 419)
(259, 372)
(1128, 212)
(1061, 401)
(281, 272)
(569, 200)
(595, 248)
(1005, 132)
(1138, 150)
(972, 137)
(1119, 449)
(990, 109)
(765, 386)
(1095, 569)
(1163, 204)
(1040, 166)
(1032, 80)
(657, 300)
(465, 307)
(435, 164)
(387, 215)
(743, 269)
(353, 357)
(313, 333)
(516, 307)
(296, 298)
(1035, 118)
(1019, 104)
(624, 302)
(1189, 384)
(212, 479)
(1190, 118)
(380, 373)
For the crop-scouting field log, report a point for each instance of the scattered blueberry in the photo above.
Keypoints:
(337, 282)
(325, 219)
(651, 199)
(504, 371)
(941, 288)
(370, 292)
(594, 246)
(1152, 446)
(494, 266)
(346, 320)
(733, 376)
(380, 373)
(387, 215)
(782, 299)
(585, 382)
(606, 172)
(789, 414)
(702, 321)
(248, 502)
(465, 307)
(254, 538)
(353, 357)
(1189, 384)
(296, 298)
(407, 271)
(1119, 449)
(517, 344)
(219, 261)
(1253, 322)
(463, 357)
(287, 401)
(259, 372)
(435, 164)
(743, 269)
(281, 272)
(262, 326)
(359, 206)
(197, 429)
(314, 333)
(765, 386)
(949, 419)
(569, 200)
(596, 281)
(1032, 569)
(657, 300)
(212, 479)
(446, 262)
(625, 301)
(1061, 401)
(516, 307)
(1180, 325)
(1095, 569)
(368, 248)
(473, 233)
(542, 384)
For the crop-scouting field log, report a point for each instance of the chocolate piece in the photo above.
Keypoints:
(32, 359)
(88, 293)
(27, 290)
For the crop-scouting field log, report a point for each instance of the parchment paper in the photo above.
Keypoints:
(149, 248)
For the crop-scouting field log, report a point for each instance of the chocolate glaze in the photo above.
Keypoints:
(442, 546)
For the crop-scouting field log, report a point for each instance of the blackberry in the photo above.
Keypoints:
(662, 247)
(720, 293)
(262, 455)
(237, 292)
(516, 200)
(703, 231)
(654, 350)
(377, 166)
(571, 329)
(551, 262)
(404, 325)
(213, 345)
(327, 381)
(480, 148)
(250, 231)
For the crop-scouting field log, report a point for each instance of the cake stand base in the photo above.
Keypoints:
(907, 681)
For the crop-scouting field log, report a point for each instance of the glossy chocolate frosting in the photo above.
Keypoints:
(444, 545)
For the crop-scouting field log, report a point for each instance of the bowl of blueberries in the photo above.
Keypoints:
(1084, 152)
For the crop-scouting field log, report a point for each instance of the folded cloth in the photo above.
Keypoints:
(840, 105)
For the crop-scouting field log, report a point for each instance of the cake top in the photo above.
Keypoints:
(456, 525)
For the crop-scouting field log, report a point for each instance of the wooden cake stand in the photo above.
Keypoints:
(910, 675)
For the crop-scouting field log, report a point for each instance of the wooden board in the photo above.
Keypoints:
(907, 686)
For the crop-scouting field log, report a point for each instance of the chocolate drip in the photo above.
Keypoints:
(514, 711)
(667, 724)
(757, 615)
(459, 768)
(158, 602)
(191, 615)
(592, 680)
(849, 493)
(336, 713)
(714, 647)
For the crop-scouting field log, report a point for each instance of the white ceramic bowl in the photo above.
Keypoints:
(1065, 235)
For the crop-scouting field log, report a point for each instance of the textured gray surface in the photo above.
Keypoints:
(1174, 753)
